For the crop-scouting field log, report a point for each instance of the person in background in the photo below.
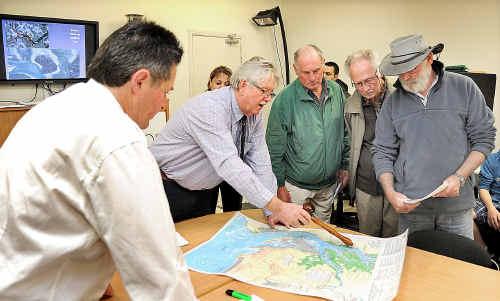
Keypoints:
(231, 199)
(433, 131)
(307, 140)
(376, 215)
(219, 77)
(81, 195)
(487, 210)
(218, 136)
(331, 72)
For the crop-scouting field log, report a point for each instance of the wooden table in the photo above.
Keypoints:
(426, 276)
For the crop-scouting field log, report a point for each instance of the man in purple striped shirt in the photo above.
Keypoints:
(202, 145)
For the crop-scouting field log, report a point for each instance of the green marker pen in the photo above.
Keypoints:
(241, 296)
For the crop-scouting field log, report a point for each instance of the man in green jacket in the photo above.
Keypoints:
(306, 137)
(376, 215)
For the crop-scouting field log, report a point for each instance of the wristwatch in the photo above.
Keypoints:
(460, 178)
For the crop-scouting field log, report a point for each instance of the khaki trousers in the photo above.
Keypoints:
(322, 199)
(376, 215)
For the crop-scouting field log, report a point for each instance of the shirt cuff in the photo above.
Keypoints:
(262, 199)
(267, 212)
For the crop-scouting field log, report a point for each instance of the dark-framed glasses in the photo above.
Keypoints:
(270, 94)
(371, 81)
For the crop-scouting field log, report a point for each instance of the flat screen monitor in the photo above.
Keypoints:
(40, 49)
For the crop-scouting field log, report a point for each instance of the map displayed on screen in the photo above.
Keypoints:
(42, 50)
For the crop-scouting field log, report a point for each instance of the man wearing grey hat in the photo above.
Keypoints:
(434, 130)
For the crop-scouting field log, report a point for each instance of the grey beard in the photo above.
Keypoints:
(420, 83)
(414, 86)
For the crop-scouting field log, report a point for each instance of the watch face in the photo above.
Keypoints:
(461, 179)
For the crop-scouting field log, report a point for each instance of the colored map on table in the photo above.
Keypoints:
(303, 261)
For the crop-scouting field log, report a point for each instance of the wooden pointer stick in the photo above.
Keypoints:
(346, 240)
(330, 229)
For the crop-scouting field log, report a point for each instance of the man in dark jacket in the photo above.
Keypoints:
(433, 131)
(332, 73)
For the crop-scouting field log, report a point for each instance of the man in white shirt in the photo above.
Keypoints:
(80, 193)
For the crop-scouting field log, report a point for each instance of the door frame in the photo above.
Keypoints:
(193, 33)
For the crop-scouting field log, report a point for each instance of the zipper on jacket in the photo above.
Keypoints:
(324, 131)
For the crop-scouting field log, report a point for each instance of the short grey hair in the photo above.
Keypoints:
(308, 47)
(363, 54)
(255, 70)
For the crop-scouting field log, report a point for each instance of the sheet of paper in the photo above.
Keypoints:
(181, 241)
(433, 193)
(337, 190)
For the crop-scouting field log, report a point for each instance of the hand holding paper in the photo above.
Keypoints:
(397, 201)
(431, 194)
(452, 189)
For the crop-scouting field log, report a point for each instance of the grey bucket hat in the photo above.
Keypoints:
(406, 53)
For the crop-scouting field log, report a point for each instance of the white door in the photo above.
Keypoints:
(209, 51)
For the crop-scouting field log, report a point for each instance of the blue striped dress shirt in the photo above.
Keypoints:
(199, 148)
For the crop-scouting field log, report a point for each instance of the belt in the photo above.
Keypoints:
(164, 176)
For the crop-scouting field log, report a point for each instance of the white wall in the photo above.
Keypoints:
(182, 17)
(470, 30)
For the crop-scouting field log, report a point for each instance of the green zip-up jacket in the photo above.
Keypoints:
(307, 141)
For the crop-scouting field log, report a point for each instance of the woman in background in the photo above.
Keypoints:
(219, 77)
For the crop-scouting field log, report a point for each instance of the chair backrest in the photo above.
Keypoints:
(451, 245)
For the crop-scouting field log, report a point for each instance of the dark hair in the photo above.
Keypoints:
(134, 46)
(216, 71)
(335, 67)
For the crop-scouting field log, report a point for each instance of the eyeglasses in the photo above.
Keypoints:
(371, 81)
(263, 91)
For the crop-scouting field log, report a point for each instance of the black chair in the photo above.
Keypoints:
(451, 245)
